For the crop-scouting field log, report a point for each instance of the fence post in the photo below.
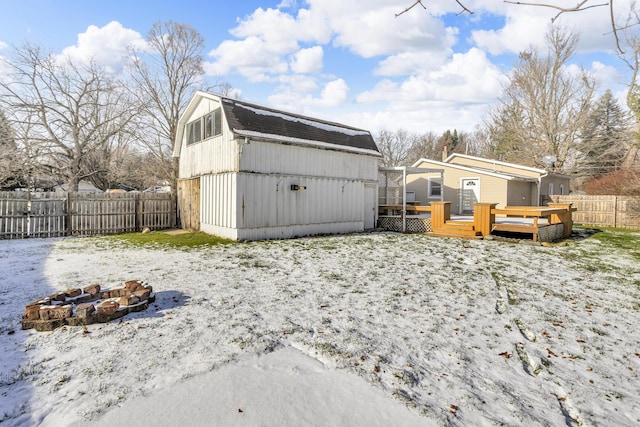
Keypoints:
(173, 216)
(139, 211)
(440, 214)
(483, 218)
(566, 218)
(69, 215)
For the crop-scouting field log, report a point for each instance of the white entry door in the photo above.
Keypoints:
(469, 194)
(370, 203)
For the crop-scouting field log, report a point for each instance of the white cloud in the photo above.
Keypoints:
(269, 37)
(460, 91)
(468, 77)
(334, 93)
(307, 60)
(425, 84)
(106, 45)
(526, 26)
(284, 4)
(298, 98)
(519, 34)
(370, 32)
(251, 57)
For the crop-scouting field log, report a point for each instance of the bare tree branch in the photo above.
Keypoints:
(464, 8)
(578, 8)
(411, 7)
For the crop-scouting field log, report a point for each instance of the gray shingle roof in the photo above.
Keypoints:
(242, 116)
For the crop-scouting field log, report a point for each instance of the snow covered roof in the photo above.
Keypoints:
(261, 122)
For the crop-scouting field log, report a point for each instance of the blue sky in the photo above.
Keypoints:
(349, 61)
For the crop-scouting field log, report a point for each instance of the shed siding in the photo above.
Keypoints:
(213, 155)
(270, 158)
(268, 201)
(217, 201)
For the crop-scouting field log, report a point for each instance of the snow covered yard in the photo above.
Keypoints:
(461, 332)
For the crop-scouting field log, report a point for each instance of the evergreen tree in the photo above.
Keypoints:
(605, 138)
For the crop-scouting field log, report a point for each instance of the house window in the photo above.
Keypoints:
(208, 126)
(435, 188)
(194, 131)
(550, 188)
(213, 124)
(561, 189)
(204, 127)
(217, 122)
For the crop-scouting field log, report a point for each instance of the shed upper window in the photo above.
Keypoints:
(204, 127)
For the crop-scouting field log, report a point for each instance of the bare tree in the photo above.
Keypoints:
(167, 76)
(9, 156)
(63, 110)
(544, 107)
(424, 146)
(395, 146)
(561, 9)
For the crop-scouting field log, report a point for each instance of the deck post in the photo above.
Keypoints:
(565, 218)
(483, 219)
(440, 214)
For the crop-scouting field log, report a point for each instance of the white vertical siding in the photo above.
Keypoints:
(217, 200)
(270, 209)
(273, 158)
(212, 155)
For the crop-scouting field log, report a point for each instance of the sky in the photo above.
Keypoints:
(352, 62)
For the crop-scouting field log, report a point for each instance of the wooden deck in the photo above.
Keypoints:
(487, 219)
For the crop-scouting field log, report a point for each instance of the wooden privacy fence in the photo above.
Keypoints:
(25, 214)
(606, 211)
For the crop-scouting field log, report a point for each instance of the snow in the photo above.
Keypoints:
(366, 329)
(308, 122)
(292, 140)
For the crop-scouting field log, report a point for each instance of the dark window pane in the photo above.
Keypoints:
(208, 126)
(217, 119)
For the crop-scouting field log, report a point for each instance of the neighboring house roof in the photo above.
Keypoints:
(488, 172)
(255, 121)
(451, 160)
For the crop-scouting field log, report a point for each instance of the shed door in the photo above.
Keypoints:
(469, 194)
(189, 203)
(370, 203)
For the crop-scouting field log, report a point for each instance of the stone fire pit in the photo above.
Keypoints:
(78, 307)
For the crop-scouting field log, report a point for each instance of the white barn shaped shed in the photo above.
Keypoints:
(248, 172)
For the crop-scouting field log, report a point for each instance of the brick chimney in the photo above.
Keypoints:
(445, 152)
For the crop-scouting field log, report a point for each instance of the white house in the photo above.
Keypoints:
(248, 172)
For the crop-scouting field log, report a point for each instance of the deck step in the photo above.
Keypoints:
(459, 225)
(456, 231)
(455, 235)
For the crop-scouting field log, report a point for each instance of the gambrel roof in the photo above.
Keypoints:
(267, 124)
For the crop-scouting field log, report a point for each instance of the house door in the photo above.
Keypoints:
(469, 194)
